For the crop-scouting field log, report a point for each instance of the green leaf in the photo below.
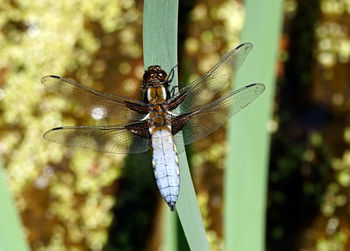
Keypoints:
(160, 48)
(11, 232)
(247, 162)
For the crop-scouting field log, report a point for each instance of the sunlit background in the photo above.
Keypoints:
(76, 199)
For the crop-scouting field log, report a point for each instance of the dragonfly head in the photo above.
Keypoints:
(154, 76)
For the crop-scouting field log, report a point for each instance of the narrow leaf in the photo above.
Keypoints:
(247, 162)
(11, 231)
(160, 48)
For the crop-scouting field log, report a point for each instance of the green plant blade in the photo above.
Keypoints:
(247, 162)
(11, 232)
(160, 48)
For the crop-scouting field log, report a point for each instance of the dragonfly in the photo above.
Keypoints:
(195, 110)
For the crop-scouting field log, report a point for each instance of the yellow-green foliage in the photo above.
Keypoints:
(61, 185)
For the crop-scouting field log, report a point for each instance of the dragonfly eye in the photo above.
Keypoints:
(162, 75)
(147, 76)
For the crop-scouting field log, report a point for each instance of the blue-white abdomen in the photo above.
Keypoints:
(165, 164)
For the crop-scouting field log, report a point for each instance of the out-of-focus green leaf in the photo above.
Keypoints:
(247, 163)
(11, 232)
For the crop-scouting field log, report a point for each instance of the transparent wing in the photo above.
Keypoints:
(99, 103)
(111, 139)
(204, 120)
(203, 90)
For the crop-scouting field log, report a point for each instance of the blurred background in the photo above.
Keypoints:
(76, 199)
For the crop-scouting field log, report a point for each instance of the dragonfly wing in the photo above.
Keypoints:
(99, 103)
(202, 121)
(111, 139)
(203, 90)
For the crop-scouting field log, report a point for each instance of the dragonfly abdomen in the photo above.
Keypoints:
(165, 164)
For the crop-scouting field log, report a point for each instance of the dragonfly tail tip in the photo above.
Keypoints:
(172, 206)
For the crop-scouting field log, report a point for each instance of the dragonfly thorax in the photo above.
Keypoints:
(156, 95)
(158, 120)
(158, 116)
